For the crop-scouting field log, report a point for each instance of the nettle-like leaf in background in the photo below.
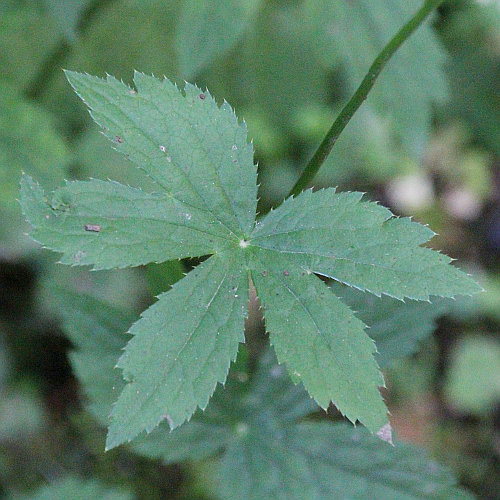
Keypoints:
(256, 426)
(198, 155)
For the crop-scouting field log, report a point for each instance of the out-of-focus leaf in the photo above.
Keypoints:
(274, 71)
(472, 37)
(366, 152)
(356, 31)
(324, 461)
(396, 327)
(67, 14)
(28, 35)
(72, 488)
(252, 422)
(473, 380)
(28, 143)
(206, 30)
(98, 332)
(126, 35)
(21, 412)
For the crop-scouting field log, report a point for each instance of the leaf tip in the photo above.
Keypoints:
(385, 434)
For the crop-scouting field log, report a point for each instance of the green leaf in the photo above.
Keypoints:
(311, 328)
(252, 423)
(268, 454)
(396, 327)
(324, 460)
(73, 487)
(181, 348)
(96, 329)
(197, 155)
(360, 244)
(207, 30)
(355, 31)
(111, 225)
(67, 14)
(474, 69)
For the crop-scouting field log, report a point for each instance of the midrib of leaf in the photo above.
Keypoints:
(318, 329)
(140, 218)
(359, 262)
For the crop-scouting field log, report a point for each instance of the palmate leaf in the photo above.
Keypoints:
(254, 425)
(198, 156)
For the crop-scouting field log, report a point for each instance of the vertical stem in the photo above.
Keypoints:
(360, 95)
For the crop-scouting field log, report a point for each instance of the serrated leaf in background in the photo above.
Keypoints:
(274, 71)
(125, 35)
(97, 330)
(396, 327)
(265, 453)
(207, 30)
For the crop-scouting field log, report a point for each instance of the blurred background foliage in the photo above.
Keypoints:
(426, 143)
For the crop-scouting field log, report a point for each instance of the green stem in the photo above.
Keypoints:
(360, 95)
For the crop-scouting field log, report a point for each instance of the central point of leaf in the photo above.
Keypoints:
(243, 243)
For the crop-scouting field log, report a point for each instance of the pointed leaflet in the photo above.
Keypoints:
(324, 461)
(181, 348)
(360, 244)
(266, 453)
(111, 225)
(190, 147)
(29, 142)
(319, 338)
(252, 424)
